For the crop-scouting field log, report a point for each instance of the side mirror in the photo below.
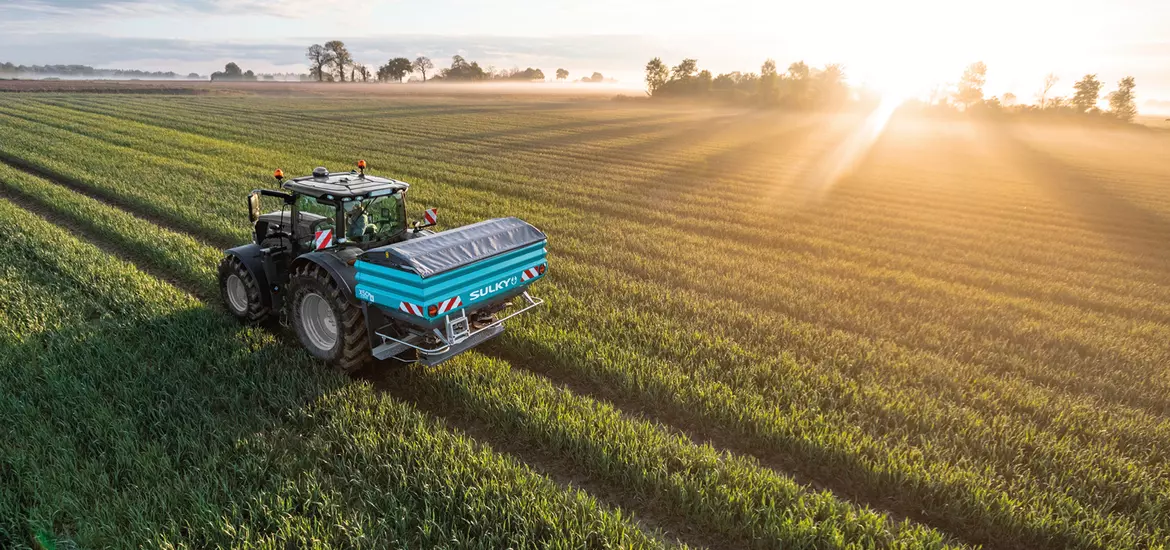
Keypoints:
(253, 206)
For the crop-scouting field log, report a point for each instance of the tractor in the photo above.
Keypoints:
(339, 262)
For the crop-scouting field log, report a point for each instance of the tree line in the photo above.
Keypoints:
(84, 71)
(1084, 102)
(803, 87)
(332, 62)
(800, 87)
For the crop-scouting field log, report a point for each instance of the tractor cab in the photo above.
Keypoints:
(330, 210)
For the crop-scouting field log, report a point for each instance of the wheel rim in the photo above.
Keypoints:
(237, 294)
(318, 321)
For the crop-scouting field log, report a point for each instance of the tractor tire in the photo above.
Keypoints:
(327, 324)
(240, 292)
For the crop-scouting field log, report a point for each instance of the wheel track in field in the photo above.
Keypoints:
(114, 201)
(108, 246)
(558, 469)
(404, 385)
(685, 423)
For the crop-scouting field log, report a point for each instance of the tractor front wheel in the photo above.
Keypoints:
(327, 324)
(241, 293)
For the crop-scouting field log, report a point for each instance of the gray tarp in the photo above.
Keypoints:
(455, 248)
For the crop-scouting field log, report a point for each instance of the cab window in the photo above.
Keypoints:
(315, 216)
(375, 219)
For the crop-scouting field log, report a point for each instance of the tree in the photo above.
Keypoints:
(231, 71)
(768, 78)
(597, 77)
(1050, 80)
(1121, 102)
(460, 69)
(562, 74)
(656, 75)
(395, 70)
(319, 61)
(1088, 92)
(340, 57)
(1009, 99)
(684, 70)
(798, 71)
(423, 64)
(249, 75)
(363, 71)
(970, 92)
(194, 76)
(830, 85)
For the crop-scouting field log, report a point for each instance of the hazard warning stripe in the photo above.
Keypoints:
(411, 308)
(530, 273)
(449, 304)
(322, 239)
(431, 215)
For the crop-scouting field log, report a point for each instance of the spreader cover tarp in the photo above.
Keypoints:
(441, 252)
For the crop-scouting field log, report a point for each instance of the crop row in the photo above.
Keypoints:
(920, 385)
(724, 494)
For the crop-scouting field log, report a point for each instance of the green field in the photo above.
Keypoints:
(764, 330)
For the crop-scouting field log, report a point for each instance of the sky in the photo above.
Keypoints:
(901, 46)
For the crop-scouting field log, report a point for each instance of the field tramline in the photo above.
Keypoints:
(957, 340)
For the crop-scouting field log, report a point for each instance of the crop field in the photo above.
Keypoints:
(763, 330)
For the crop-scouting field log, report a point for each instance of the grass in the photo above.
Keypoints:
(959, 339)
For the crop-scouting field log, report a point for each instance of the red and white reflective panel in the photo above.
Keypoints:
(411, 308)
(449, 304)
(530, 273)
(431, 215)
(323, 239)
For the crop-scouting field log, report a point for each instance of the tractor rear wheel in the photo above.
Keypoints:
(241, 293)
(327, 324)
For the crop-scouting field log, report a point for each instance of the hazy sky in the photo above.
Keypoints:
(892, 44)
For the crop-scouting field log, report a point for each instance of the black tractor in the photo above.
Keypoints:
(340, 263)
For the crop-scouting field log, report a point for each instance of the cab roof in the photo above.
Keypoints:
(342, 185)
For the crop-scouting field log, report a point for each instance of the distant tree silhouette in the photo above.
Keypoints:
(970, 91)
(194, 76)
(1121, 101)
(1088, 93)
(423, 64)
(395, 70)
(319, 61)
(1009, 99)
(460, 69)
(363, 71)
(656, 75)
(684, 70)
(562, 74)
(596, 77)
(829, 85)
(232, 71)
(767, 82)
(1050, 80)
(340, 57)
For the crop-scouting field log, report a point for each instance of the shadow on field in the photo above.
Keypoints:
(413, 385)
(810, 465)
(157, 217)
(141, 419)
(1128, 226)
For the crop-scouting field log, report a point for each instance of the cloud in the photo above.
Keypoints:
(42, 9)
